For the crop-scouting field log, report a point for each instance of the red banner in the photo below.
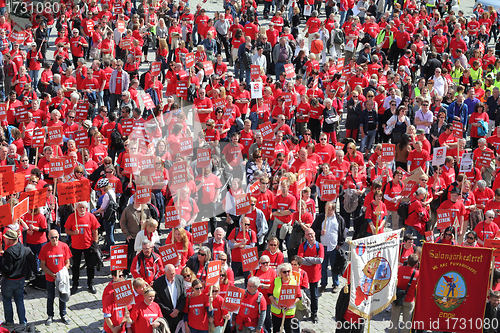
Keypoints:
(20, 209)
(54, 136)
(266, 129)
(458, 130)
(124, 293)
(493, 244)
(155, 68)
(186, 146)
(131, 163)
(118, 257)
(22, 112)
(290, 71)
(143, 194)
(268, 149)
(182, 89)
(485, 159)
(5, 215)
(120, 26)
(301, 179)
(250, 259)
(38, 138)
(232, 301)
(3, 112)
(148, 102)
(169, 255)
(19, 180)
(37, 198)
(452, 288)
(329, 189)
(287, 96)
(189, 60)
(172, 217)
(68, 165)
(56, 167)
(8, 183)
(443, 218)
(208, 68)
(388, 152)
(409, 188)
(339, 146)
(82, 110)
(203, 160)
(200, 232)
(147, 165)
(127, 126)
(213, 272)
(429, 236)
(73, 192)
(254, 72)
(242, 202)
(288, 294)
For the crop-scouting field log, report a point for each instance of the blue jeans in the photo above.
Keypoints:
(51, 295)
(342, 17)
(313, 288)
(100, 98)
(35, 248)
(330, 257)
(237, 268)
(254, 117)
(267, 7)
(34, 78)
(247, 77)
(2, 10)
(280, 68)
(13, 288)
(367, 141)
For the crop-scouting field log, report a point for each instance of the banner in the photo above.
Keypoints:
(124, 294)
(147, 165)
(200, 232)
(301, 179)
(203, 160)
(266, 129)
(330, 189)
(120, 26)
(232, 301)
(148, 102)
(54, 136)
(485, 159)
(68, 165)
(189, 60)
(250, 259)
(208, 67)
(439, 156)
(213, 272)
(5, 215)
(131, 163)
(256, 89)
(288, 294)
(19, 180)
(254, 72)
(409, 188)
(127, 126)
(20, 209)
(186, 146)
(443, 218)
(268, 149)
(458, 129)
(37, 198)
(172, 217)
(290, 71)
(374, 273)
(242, 202)
(82, 110)
(388, 152)
(38, 138)
(143, 194)
(429, 236)
(452, 288)
(118, 257)
(73, 192)
(56, 167)
(169, 255)
(155, 68)
(8, 183)
(182, 89)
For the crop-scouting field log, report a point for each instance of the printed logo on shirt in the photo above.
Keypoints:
(56, 261)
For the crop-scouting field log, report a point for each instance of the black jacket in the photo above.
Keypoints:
(14, 261)
(317, 226)
(492, 315)
(194, 264)
(164, 299)
(227, 250)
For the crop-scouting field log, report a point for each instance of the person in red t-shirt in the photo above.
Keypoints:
(202, 107)
(241, 238)
(401, 43)
(251, 308)
(145, 314)
(405, 274)
(83, 230)
(486, 229)
(198, 308)
(54, 257)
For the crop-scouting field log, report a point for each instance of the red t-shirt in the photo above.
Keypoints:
(486, 230)
(38, 220)
(313, 271)
(250, 309)
(210, 184)
(55, 257)
(196, 308)
(86, 224)
(144, 315)
(404, 275)
(236, 252)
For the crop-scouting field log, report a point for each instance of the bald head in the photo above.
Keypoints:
(170, 273)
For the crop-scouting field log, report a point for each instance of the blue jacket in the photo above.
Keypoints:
(462, 113)
(364, 119)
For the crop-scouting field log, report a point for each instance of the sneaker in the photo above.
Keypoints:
(65, 320)
(314, 318)
(336, 289)
(49, 320)
(322, 289)
(8, 325)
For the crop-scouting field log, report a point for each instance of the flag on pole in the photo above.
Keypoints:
(374, 273)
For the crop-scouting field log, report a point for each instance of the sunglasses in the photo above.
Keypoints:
(55, 237)
(470, 237)
(448, 234)
(273, 244)
(199, 288)
(265, 263)
(71, 117)
(285, 272)
(202, 254)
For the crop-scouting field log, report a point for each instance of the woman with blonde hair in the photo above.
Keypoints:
(188, 276)
(184, 247)
(148, 232)
(285, 277)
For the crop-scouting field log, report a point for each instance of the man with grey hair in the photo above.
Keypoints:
(147, 264)
(482, 194)
(282, 54)
(252, 313)
(82, 226)
(486, 229)
(217, 244)
(170, 296)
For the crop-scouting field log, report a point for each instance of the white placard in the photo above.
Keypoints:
(256, 89)
(439, 156)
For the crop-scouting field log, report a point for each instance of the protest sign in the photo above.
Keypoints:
(124, 294)
(118, 257)
(143, 194)
(213, 272)
(203, 160)
(169, 255)
(200, 232)
(172, 217)
(232, 301)
(242, 202)
(73, 192)
(250, 259)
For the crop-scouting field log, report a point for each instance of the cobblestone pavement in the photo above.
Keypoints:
(84, 308)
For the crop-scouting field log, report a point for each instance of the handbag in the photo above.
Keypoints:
(401, 294)
(95, 53)
(389, 128)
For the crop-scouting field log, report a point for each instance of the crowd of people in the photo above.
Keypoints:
(412, 74)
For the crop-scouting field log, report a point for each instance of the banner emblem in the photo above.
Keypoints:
(450, 291)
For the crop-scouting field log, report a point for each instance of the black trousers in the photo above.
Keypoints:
(75, 269)
(277, 324)
(223, 40)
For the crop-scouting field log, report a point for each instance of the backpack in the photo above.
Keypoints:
(403, 211)
(142, 79)
(155, 214)
(317, 247)
(360, 225)
(482, 130)
(339, 37)
(237, 230)
(111, 212)
(116, 139)
(351, 199)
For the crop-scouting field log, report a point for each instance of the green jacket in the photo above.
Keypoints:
(381, 37)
